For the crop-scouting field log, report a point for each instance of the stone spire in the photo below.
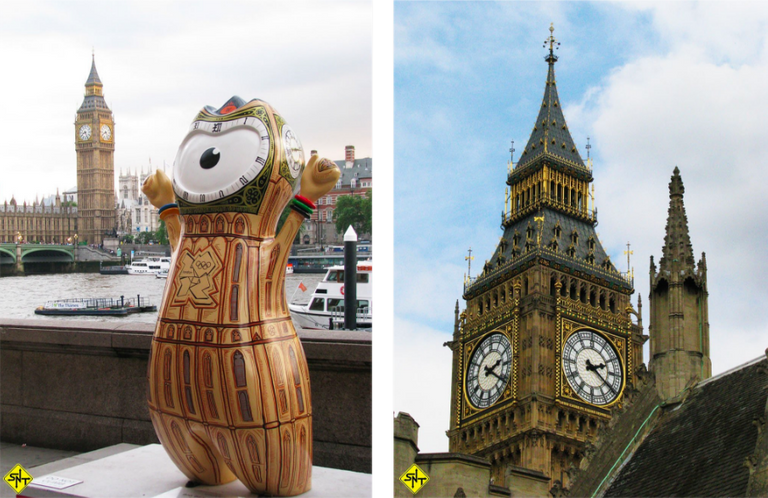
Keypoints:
(679, 328)
(677, 253)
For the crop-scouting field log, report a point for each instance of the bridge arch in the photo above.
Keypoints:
(5, 254)
(48, 254)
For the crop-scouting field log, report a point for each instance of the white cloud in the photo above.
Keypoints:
(706, 116)
(422, 368)
(161, 62)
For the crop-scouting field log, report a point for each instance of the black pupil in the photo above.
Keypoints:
(210, 158)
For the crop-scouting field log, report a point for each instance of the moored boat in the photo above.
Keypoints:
(326, 307)
(97, 306)
(113, 270)
(149, 266)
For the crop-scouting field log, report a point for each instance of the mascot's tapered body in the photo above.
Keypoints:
(229, 392)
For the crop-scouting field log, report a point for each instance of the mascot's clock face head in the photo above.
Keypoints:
(229, 156)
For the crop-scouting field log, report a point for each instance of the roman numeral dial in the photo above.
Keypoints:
(217, 159)
(592, 367)
(489, 370)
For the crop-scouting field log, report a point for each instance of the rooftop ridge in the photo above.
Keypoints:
(732, 370)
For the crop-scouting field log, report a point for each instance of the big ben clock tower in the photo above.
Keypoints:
(546, 347)
(95, 146)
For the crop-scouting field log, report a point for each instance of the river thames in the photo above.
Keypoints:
(19, 296)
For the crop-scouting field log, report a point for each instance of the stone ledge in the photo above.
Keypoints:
(453, 457)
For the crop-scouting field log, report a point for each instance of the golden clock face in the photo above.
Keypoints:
(592, 367)
(489, 370)
(106, 132)
(85, 132)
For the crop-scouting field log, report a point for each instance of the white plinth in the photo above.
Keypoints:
(149, 472)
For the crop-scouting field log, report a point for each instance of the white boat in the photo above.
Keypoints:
(149, 266)
(327, 303)
(162, 274)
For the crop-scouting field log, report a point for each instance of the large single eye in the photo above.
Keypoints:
(213, 164)
(210, 158)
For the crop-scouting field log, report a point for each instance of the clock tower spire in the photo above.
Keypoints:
(95, 147)
(545, 347)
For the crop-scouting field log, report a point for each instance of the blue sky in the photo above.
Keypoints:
(654, 85)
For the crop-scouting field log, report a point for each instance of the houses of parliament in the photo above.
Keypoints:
(91, 219)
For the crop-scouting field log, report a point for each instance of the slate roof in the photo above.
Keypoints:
(550, 138)
(93, 78)
(562, 155)
(91, 102)
(699, 446)
(362, 168)
(568, 226)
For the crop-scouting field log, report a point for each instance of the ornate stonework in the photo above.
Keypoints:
(95, 147)
(551, 290)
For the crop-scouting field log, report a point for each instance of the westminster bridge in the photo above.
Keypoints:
(15, 257)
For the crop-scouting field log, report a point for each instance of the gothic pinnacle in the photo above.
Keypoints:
(677, 252)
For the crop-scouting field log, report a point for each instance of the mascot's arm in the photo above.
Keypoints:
(158, 189)
(318, 179)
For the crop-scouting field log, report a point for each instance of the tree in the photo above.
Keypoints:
(354, 210)
(162, 234)
(128, 239)
(144, 237)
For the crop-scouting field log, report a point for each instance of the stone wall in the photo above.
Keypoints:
(79, 385)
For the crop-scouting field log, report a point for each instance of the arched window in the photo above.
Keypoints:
(239, 369)
(552, 282)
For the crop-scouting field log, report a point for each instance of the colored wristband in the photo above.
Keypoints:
(300, 211)
(306, 201)
(167, 213)
(167, 206)
(301, 207)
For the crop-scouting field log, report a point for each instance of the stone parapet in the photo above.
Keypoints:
(81, 385)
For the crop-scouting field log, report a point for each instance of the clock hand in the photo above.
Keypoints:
(494, 365)
(497, 375)
(489, 370)
(605, 380)
(594, 368)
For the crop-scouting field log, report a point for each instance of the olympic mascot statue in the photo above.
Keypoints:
(229, 392)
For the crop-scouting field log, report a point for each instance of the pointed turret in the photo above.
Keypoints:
(551, 138)
(677, 253)
(93, 77)
(93, 90)
(546, 209)
(679, 327)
